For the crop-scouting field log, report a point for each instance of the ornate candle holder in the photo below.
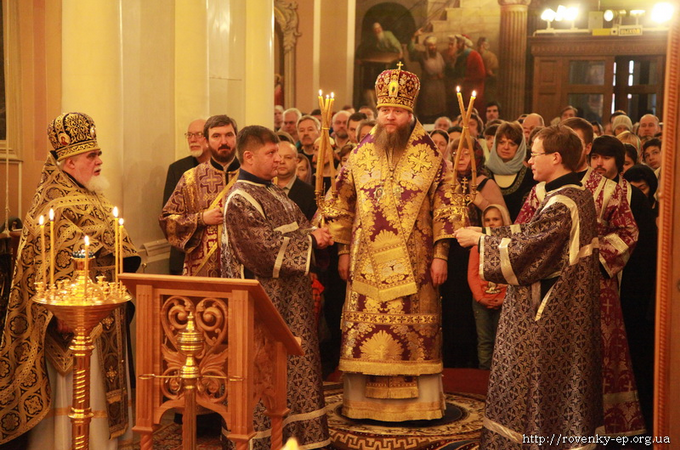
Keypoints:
(81, 304)
(457, 211)
(464, 190)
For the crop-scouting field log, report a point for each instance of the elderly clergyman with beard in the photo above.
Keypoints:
(393, 232)
(192, 217)
(35, 359)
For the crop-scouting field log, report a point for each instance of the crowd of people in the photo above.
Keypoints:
(549, 284)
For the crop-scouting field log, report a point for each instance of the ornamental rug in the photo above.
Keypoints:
(459, 429)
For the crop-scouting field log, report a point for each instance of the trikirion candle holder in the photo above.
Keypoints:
(81, 303)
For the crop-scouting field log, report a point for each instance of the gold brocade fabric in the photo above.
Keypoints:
(24, 385)
(392, 218)
(199, 189)
(391, 387)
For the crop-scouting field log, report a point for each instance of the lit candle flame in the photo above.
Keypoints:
(320, 92)
(457, 88)
(51, 214)
(87, 241)
(474, 93)
(41, 221)
(332, 95)
(115, 212)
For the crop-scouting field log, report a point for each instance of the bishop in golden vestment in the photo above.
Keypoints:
(393, 230)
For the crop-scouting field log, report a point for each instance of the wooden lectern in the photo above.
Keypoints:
(242, 357)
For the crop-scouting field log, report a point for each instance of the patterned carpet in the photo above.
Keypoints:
(459, 429)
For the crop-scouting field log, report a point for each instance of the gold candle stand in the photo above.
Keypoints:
(81, 304)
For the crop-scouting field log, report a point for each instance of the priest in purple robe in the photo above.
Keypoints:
(266, 237)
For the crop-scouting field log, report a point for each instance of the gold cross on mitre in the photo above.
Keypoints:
(393, 86)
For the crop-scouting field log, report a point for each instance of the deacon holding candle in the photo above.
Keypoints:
(36, 354)
(393, 231)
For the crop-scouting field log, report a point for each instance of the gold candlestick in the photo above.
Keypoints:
(82, 304)
(51, 247)
(115, 244)
(43, 263)
(120, 245)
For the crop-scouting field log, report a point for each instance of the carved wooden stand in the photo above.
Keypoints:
(243, 357)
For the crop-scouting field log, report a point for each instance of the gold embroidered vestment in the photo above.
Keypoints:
(25, 395)
(392, 222)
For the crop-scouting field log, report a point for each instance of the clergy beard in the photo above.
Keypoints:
(196, 153)
(98, 184)
(395, 141)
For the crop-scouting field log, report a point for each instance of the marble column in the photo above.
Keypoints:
(92, 77)
(513, 57)
(191, 68)
(241, 60)
(259, 63)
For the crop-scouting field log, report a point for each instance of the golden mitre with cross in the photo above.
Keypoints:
(397, 87)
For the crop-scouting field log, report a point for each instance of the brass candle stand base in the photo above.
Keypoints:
(81, 304)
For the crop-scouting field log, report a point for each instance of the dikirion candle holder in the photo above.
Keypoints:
(464, 190)
(81, 303)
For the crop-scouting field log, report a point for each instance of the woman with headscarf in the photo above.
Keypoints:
(508, 168)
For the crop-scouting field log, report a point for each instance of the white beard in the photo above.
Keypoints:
(98, 184)
(196, 153)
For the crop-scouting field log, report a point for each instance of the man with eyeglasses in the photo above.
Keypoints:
(192, 217)
(618, 235)
(546, 377)
(198, 149)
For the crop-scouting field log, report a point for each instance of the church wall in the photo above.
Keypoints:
(337, 51)
(324, 52)
(307, 64)
(149, 118)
